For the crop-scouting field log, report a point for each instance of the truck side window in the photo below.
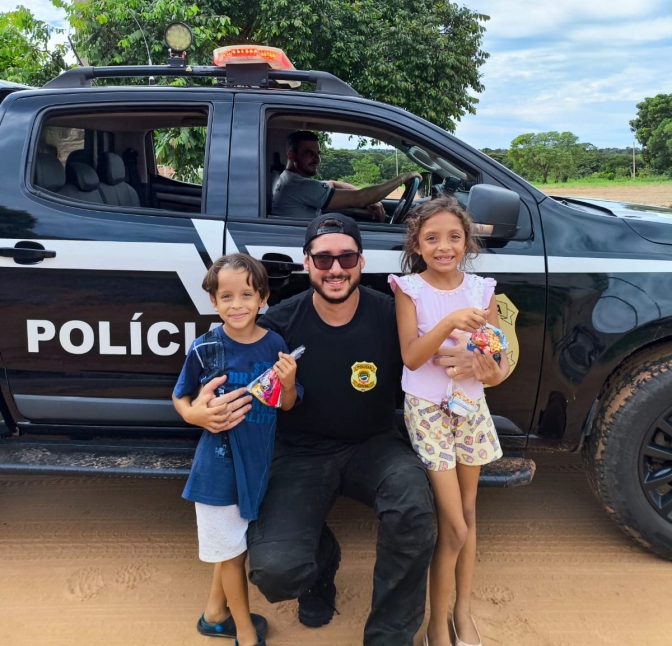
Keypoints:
(352, 156)
(124, 159)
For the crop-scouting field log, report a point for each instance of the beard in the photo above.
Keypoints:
(352, 286)
(308, 172)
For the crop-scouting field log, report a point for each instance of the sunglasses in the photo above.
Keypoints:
(325, 261)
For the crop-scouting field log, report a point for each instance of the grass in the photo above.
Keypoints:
(619, 181)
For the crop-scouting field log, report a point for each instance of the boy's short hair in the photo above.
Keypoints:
(257, 278)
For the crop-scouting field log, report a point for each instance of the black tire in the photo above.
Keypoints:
(629, 445)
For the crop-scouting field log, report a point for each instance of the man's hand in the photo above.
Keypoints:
(407, 177)
(486, 369)
(377, 211)
(217, 414)
(457, 360)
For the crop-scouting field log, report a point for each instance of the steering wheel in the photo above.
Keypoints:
(405, 201)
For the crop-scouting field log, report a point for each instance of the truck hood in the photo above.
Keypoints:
(654, 223)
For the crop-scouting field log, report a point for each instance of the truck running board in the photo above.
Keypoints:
(165, 460)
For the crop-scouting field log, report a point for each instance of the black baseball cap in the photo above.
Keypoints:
(333, 223)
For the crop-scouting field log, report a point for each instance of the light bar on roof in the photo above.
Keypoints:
(276, 58)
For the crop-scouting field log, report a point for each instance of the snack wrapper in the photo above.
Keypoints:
(267, 388)
(488, 339)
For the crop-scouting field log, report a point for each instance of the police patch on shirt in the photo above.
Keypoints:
(363, 376)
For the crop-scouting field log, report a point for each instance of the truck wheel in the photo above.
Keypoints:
(628, 455)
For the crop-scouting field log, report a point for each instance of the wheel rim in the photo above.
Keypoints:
(655, 465)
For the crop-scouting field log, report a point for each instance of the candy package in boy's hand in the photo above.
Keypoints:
(267, 388)
(489, 340)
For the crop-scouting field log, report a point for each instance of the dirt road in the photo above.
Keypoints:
(113, 562)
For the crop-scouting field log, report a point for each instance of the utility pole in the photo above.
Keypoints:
(634, 169)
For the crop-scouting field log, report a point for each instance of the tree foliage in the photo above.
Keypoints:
(366, 172)
(26, 56)
(363, 167)
(538, 156)
(422, 55)
(653, 129)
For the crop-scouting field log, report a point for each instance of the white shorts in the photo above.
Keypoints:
(222, 533)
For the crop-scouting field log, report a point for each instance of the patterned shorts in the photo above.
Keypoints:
(443, 440)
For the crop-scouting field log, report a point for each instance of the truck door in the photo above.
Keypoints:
(100, 281)
(518, 264)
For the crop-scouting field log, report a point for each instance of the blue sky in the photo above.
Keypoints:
(577, 65)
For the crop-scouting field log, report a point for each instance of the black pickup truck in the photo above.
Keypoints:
(102, 253)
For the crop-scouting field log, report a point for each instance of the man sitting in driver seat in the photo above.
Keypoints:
(297, 195)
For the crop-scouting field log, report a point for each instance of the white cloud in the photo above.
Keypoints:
(41, 9)
(512, 19)
(577, 65)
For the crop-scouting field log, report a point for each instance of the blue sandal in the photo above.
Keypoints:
(227, 628)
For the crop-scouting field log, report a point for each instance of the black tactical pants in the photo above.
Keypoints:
(383, 472)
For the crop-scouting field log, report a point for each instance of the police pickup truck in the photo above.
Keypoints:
(102, 254)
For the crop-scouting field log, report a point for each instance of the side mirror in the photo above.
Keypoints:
(494, 210)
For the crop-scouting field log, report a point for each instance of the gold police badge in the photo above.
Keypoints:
(363, 376)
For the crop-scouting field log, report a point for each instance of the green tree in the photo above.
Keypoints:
(26, 56)
(422, 55)
(336, 162)
(500, 155)
(388, 169)
(653, 129)
(538, 156)
(366, 172)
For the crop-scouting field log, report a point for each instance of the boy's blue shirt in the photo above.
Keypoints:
(231, 468)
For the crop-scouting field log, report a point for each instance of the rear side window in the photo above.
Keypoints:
(140, 159)
(60, 142)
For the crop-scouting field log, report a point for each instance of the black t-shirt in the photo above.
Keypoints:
(350, 373)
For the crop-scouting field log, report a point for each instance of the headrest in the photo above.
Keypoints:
(111, 168)
(80, 156)
(82, 176)
(49, 172)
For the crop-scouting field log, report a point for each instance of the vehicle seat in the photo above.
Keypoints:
(81, 156)
(113, 183)
(81, 183)
(49, 173)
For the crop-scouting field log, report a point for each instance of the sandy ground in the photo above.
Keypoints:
(114, 562)
(657, 195)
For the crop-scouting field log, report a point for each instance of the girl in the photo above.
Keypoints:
(435, 302)
(229, 473)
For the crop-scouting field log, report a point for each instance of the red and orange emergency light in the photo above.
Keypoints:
(276, 58)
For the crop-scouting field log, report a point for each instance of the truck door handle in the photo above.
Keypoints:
(27, 252)
(279, 265)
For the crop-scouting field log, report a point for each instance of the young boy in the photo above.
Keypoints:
(229, 474)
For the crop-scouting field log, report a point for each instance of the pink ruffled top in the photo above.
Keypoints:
(430, 382)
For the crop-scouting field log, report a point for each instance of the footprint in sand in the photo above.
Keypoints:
(502, 628)
(495, 594)
(84, 584)
(133, 575)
